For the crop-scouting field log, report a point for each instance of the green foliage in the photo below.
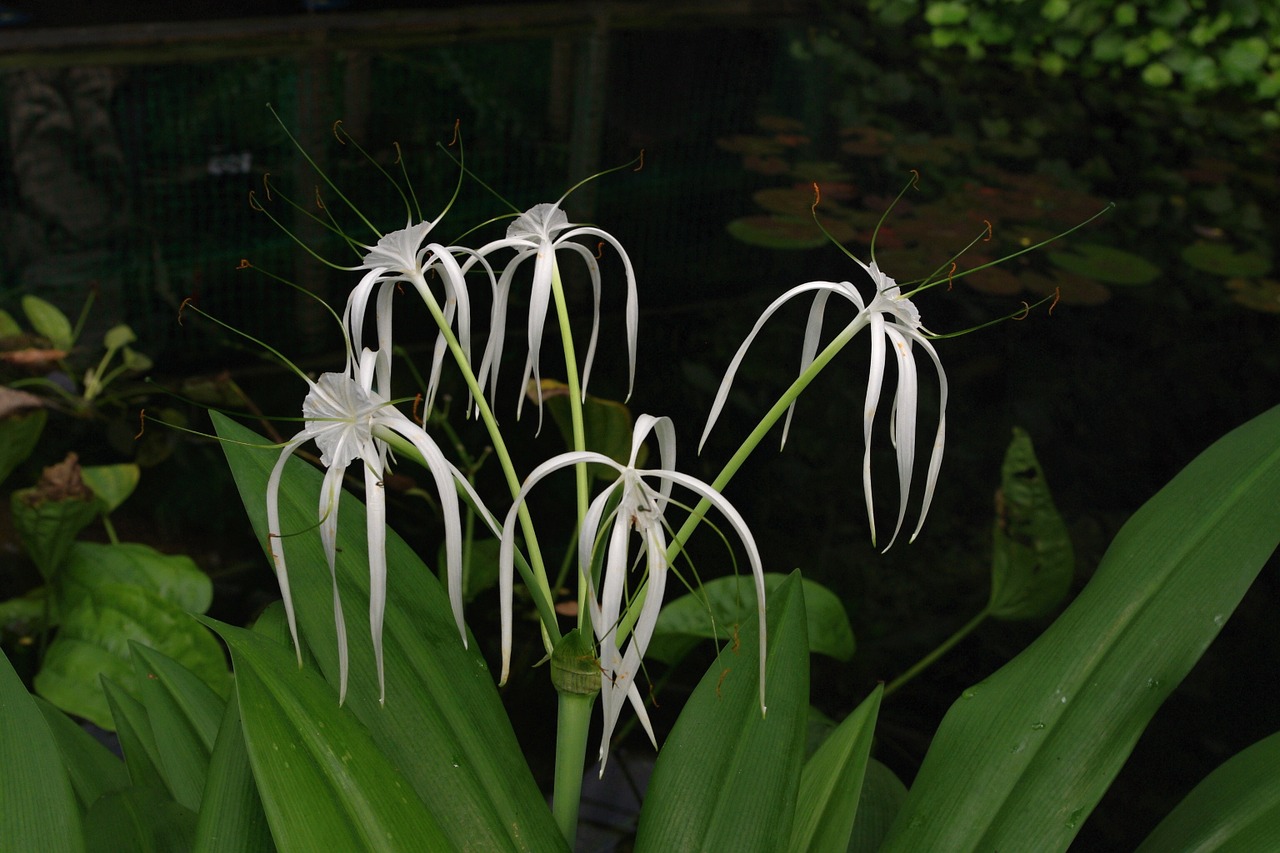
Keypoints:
(1201, 50)
(719, 608)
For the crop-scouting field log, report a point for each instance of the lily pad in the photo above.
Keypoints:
(1106, 264)
(783, 232)
(1222, 259)
(1258, 294)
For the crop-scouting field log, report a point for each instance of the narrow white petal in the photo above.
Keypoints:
(875, 378)
(376, 535)
(330, 493)
(274, 544)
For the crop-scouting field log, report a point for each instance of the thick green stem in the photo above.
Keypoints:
(928, 660)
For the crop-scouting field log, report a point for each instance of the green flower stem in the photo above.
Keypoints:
(535, 572)
(575, 413)
(928, 660)
(748, 445)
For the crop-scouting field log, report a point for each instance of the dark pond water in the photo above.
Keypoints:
(1164, 336)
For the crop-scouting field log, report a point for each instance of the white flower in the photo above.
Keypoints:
(537, 233)
(405, 256)
(642, 496)
(343, 413)
(892, 318)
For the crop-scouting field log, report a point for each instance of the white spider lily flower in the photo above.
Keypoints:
(343, 413)
(642, 496)
(406, 256)
(541, 232)
(892, 318)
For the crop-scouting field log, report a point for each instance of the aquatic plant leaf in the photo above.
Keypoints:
(720, 607)
(831, 782)
(777, 232)
(1106, 264)
(112, 483)
(1032, 561)
(1235, 808)
(727, 776)
(1222, 259)
(1049, 731)
(48, 322)
(1258, 294)
(443, 725)
(93, 641)
(19, 433)
(38, 808)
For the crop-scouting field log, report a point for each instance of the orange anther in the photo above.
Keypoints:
(950, 274)
(1057, 294)
(267, 184)
(457, 122)
(189, 299)
(397, 147)
(142, 423)
(244, 264)
(336, 125)
(641, 163)
(987, 239)
(417, 399)
(599, 250)
(1026, 309)
(817, 197)
(915, 179)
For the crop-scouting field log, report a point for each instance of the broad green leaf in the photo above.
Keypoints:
(142, 819)
(118, 336)
(48, 526)
(324, 783)
(184, 715)
(1049, 731)
(1032, 561)
(94, 640)
(831, 783)
(721, 605)
(727, 776)
(443, 726)
(112, 483)
(882, 797)
(231, 815)
(173, 577)
(93, 769)
(9, 327)
(1235, 809)
(48, 322)
(38, 808)
(19, 433)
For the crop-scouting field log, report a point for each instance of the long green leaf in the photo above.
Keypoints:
(231, 815)
(831, 784)
(93, 769)
(38, 808)
(882, 797)
(137, 741)
(325, 784)
(145, 820)
(184, 715)
(727, 778)
(1048, 732)
(1235, 809)
(443, 725)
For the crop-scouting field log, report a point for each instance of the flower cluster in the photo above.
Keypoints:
(351, 416)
